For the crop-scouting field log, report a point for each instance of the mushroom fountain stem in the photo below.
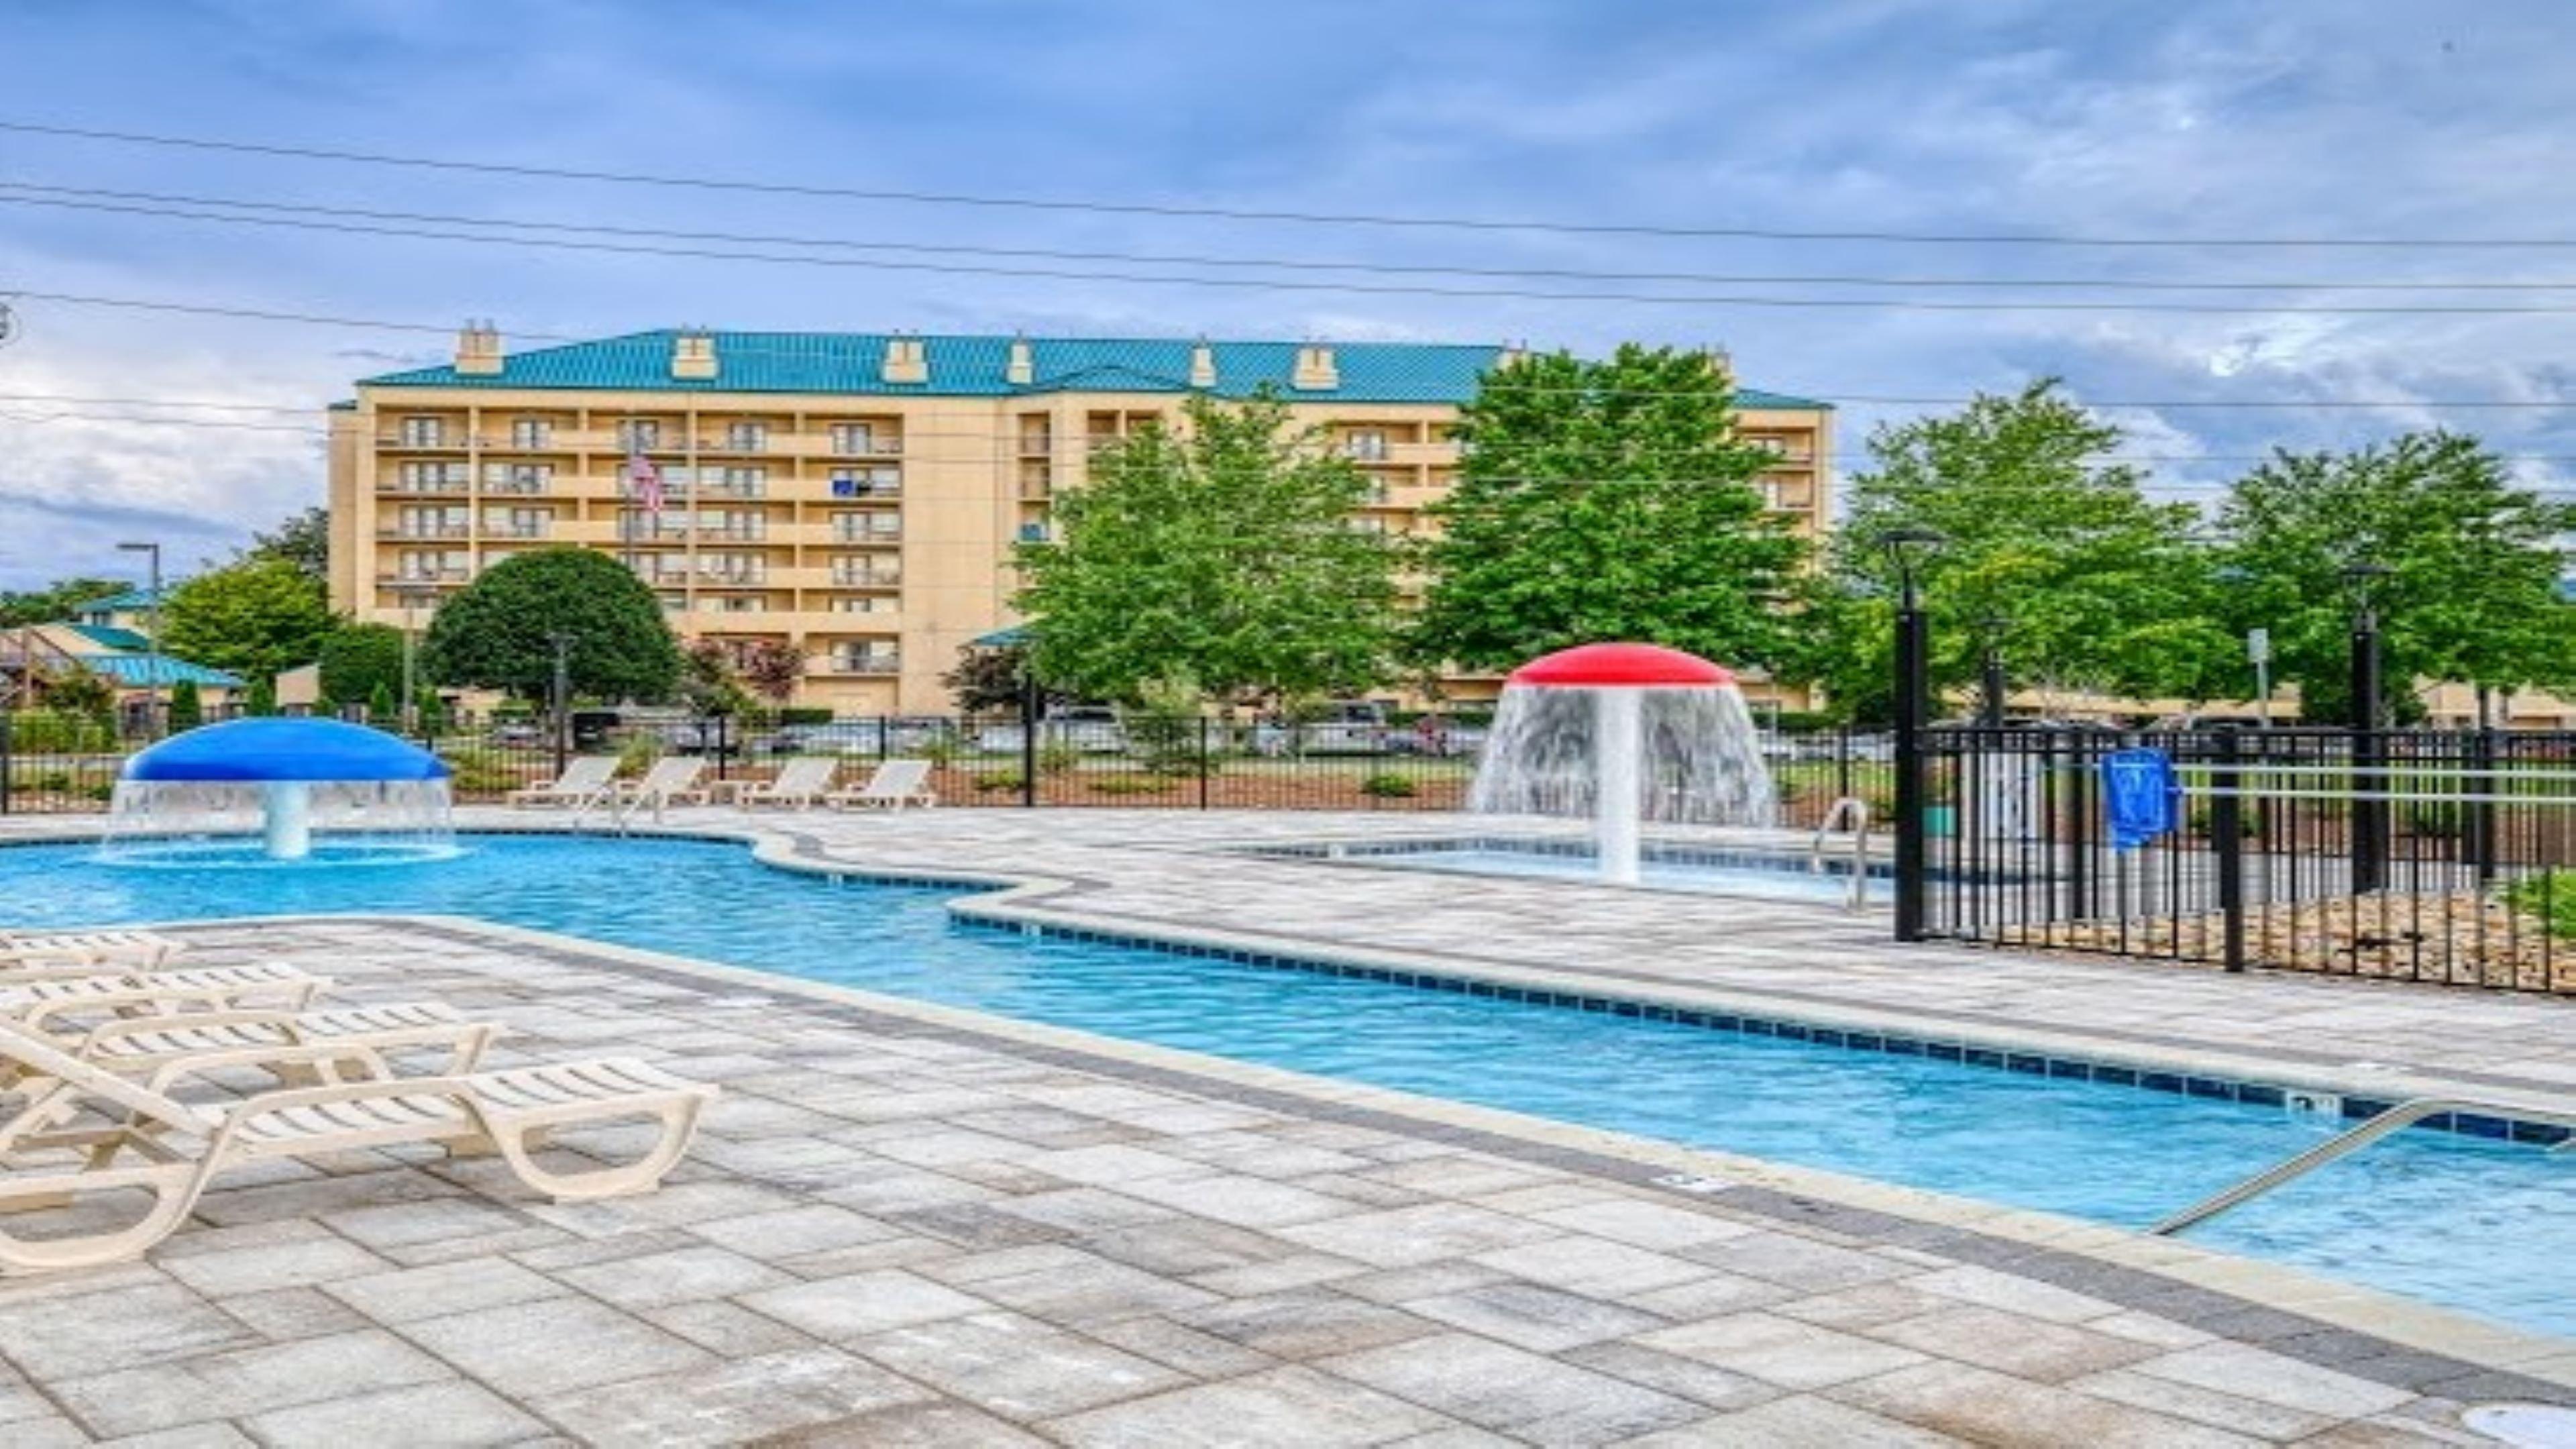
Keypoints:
(1620, 745)
(288, 820)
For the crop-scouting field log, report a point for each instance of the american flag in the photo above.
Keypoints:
(644, 481)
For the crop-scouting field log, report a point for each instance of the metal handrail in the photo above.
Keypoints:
(1858, 809)
(2343, 1144)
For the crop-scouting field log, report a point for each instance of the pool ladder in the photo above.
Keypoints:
(1858, 810)
(2344, 1144)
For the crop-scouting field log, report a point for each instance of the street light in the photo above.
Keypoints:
(1907, 549)
(152, 633)
(409, 715)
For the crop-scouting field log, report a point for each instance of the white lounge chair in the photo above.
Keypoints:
(173, 1150)
(670, 782)
(296, 1046)
(801, 781)
(586, 781)
(88, 948)
(893, 785)
(165, 995)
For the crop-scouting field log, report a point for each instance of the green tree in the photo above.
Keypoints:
(260, 700)
(711, 680)
(82, 691)
(1226, 553)
(303, 541)
(54, 602)
(252, 618)
(382, 709)
(2471, 593)
(987, 680)
(2053, 550)
(497, 633)
(187, 706)
(1606, 500)
(358, 660)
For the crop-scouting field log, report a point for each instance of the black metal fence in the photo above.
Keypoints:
(2404, 855)
(53, 763)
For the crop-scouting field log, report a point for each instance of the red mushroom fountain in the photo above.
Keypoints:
(1630, 731)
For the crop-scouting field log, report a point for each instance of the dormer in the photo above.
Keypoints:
(693, 357)
(1316, 370)
(478, 350)
(906, 360)
(1022, 369)
(1203, 365)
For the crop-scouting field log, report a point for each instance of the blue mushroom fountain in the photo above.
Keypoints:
(282, 782)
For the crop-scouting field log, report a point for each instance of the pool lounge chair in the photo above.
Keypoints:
(295, 1046)
(801, 781)
(893, 785)
(88, 948)
(174, 1150)
(586, 782)
(669, 782)
(162, 995)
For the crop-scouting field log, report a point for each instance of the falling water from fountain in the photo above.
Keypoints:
(1624, 733)
(268, 791)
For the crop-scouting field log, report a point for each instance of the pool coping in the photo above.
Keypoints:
(2368, 1332)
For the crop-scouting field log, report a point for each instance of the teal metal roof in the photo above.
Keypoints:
(156, 671)
(129, 602)
(108, 636)
(853, 362)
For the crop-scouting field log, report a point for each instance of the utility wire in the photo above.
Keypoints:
(1840, 399)
(1657, 299)
(1314, 218)
(35, 191)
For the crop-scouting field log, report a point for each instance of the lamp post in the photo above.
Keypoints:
(2370, 781)
(151, 632)
(1907, 548)
(409, 715)
(1994, 626)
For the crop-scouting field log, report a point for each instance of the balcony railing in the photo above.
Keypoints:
(426, 576)
(867, 447)
(517, 530)
(866, 579)
(864, 663)
(865, 535)
(426, 530)
(736, 576)
(516, 487)
(422, 485)
(734, 532)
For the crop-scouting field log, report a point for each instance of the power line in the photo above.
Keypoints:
(1274, 263)
(441, 329)
(1658, 299)
(1311, 218)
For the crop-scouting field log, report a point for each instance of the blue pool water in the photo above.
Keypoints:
(2483, 1226)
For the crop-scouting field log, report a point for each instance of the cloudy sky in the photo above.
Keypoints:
(1619, 123)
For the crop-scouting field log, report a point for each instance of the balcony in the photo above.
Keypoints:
(417, 487)
(517, 530)
(734, 533)
(862, 664)
(425, 531)
(425, 442)
(740, 492)
(515, 487)
(864, 538)
(424, 576)
(738, 578)
(867, 578)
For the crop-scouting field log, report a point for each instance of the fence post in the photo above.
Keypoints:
(2482, 787)
(1911, 856)
(1206, 762)
(1029, 722)
(2227, 827)
(8, 748)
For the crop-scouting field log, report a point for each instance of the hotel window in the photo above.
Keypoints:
(433, 522)
(424, 432)
(882, 481)
(430, 477)
(735, 604)
(744, 482)
(517, 477)
(637, 433)
(732, 568)
(747, 437)
(748, 524)
(518, 522)
(1368, 445)
(854, 440)
(864, 604)
(452, 563)
(531, 433)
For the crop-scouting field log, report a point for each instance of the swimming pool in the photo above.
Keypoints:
(2484, 1226)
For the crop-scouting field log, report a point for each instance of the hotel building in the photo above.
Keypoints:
(856, 495)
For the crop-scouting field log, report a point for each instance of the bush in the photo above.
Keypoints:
(941, 749)
(2549, 895)
(479, 771)
(637, 753)
(804, 714)
(1059, 758)
(187, 706)
(2202, 821)
(1169, 735)
(1388, 785)
(59, 734)
(2436, 820)
(994, 782)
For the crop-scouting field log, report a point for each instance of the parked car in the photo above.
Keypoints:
(1349, 727)
(1093, 729)
(1440, 740)
(852, 737)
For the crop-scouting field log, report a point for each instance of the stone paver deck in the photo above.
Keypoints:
(909, 1225)
(899, 1231)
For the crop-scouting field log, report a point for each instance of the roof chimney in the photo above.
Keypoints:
(1023, 367)
(1203, 365)
(1316, 371)
(693, 357)
(905, 360)
(478, 350)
